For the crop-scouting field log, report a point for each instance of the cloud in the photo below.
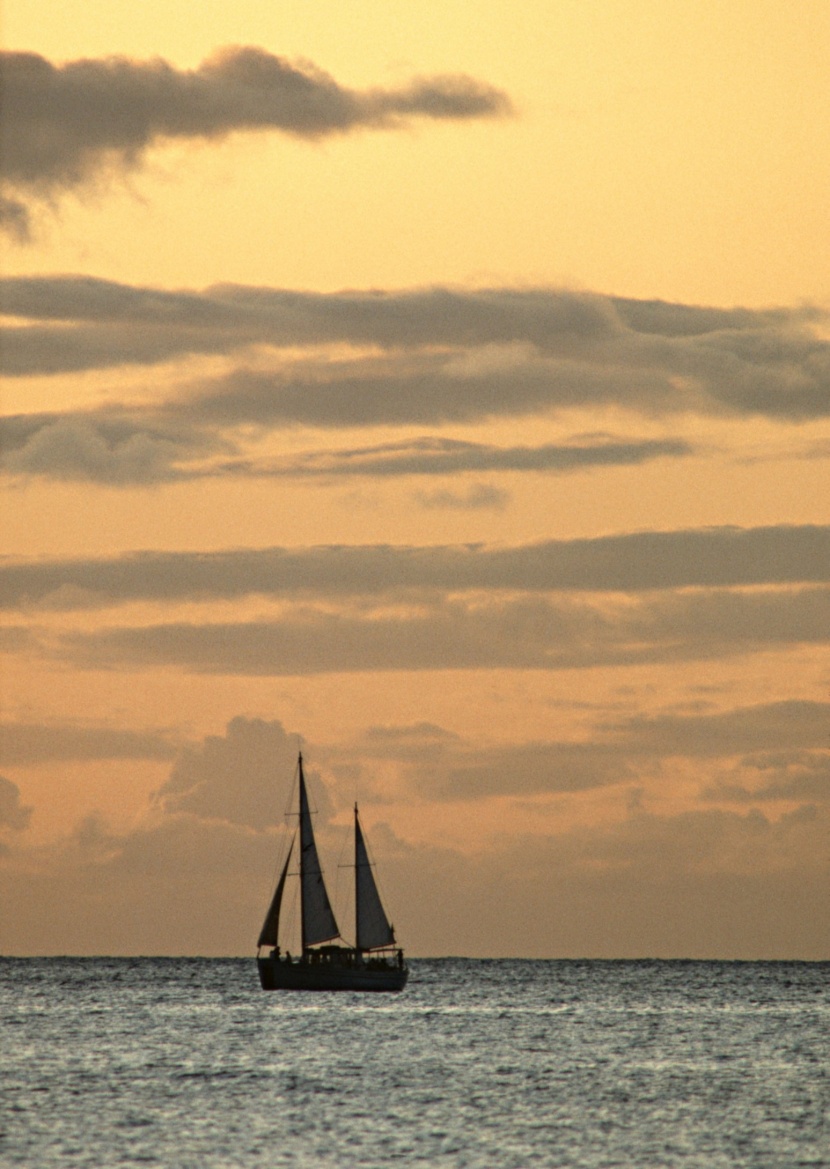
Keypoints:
(123, 449)
(447, 456)
(64, 125)
(647, 377)
(782, 738)
(525, 633)
(794, 775)
(104, 449)
(14, 219)
(113, 322)
(234, 777)
(430, 358)
(22, 744)
(192, 876)
(427, 356)
(632, 562)
(478, 497)
(16, 639)
(527, 769)
(13, 815)
(774, 726)
(707, 884)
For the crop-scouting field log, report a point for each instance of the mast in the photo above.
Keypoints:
(303, 834)
(357, 914)
(316, 916)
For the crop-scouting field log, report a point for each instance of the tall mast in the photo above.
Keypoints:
(356, 882)
(303, 801)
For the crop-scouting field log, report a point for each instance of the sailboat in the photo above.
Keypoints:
(374, 962)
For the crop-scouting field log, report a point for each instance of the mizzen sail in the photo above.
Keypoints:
(319, 924)
(372, 925)
(271, 926)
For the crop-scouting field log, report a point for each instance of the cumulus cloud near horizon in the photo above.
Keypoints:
(192, 876)
(66, 124)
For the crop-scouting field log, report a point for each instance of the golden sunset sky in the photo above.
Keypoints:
(444, 388)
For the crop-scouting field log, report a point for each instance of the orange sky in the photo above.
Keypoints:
(450, 393)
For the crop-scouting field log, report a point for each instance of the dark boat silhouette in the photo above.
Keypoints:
(374, 962)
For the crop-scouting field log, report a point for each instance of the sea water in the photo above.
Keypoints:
(186, 1062)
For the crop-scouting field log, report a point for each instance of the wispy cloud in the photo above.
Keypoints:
(447, 456)
(66, 124)
(529, 633)
(708, 557)
(24, 744)
(112, 323)
(116, 448)
(617, 753)
(428, 358)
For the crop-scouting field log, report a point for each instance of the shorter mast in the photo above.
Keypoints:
(372, 928)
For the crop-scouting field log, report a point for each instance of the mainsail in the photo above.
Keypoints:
(317, 916)
(271, 926)
(372, 926)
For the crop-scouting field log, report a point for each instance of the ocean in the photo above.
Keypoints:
(497, 1064)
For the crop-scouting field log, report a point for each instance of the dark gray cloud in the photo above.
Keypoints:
(529, 633)
(66, 124)
(646, 376)
(22, 744)
(233, 777)
(153, 890)
(118, 449)
(446, 355)
(112, 322)
(447, 456)
(708, 557)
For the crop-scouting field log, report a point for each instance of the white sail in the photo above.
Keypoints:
(372, 926)
(269, 933)
(318, 919)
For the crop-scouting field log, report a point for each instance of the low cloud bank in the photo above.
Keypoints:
(193, 876)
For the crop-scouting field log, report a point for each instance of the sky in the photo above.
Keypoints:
(446, 393)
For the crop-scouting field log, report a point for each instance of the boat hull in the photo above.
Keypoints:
(285, 974)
